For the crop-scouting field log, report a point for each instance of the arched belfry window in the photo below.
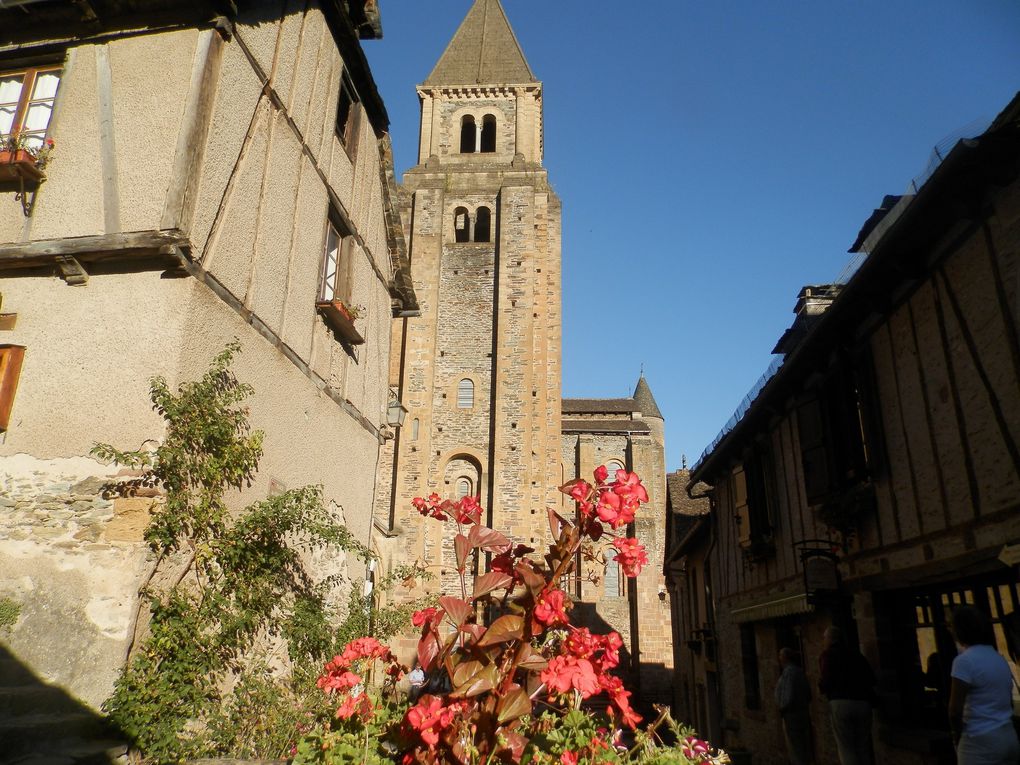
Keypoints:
(483, 225)
(488, 133)
(461, 225)
(465, 394)
(468, 135)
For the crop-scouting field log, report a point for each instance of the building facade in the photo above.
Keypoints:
(874, 481)
(245, 197)
(479, 370)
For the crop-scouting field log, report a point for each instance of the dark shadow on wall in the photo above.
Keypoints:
(42, 723)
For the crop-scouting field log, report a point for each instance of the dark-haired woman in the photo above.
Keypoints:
(981, 695)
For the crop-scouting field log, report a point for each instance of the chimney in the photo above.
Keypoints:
(812, 301)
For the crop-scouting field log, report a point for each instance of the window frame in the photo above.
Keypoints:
(343, 274)
(25, 100)
(461, 388)
(347, 113)
(11, 360)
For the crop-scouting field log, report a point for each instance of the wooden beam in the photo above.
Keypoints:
(133, 244)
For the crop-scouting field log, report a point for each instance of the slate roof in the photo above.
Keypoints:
(484, 50)
(596, 405)
(645, 400)
(605, 426)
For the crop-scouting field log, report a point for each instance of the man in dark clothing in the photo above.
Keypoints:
(793, 696)
(847, 680)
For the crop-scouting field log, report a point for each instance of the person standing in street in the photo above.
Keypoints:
(793, 696)
(981, 694)
(848, 682)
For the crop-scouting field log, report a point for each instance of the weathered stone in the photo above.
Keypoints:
(92, 485)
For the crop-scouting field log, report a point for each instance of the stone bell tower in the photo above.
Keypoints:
(479, 370)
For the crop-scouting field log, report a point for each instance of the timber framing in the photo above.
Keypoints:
(132, 245)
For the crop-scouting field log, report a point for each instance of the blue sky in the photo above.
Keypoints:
(712, 158)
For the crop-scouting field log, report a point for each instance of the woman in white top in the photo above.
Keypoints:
(981, 695)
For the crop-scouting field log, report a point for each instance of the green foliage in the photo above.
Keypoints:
(192, 690)
(9, 613)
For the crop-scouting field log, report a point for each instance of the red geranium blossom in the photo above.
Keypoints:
(550, 608)
(429, 718)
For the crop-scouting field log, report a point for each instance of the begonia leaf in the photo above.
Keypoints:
(493, 580)
(488, 539)
(428, 649)
(462, 547)
(506, 627)
(515, 704)
(556, 523)
(531, 578)
(533, 660)
(474, 630)
(456, 609)
(516, 743)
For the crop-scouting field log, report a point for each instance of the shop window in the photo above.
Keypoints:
(347, 112)
(488, 133)
(749, 663)
(468, 135)
(465, 394)
(461, 225)
(26, 104)
(483, 224)
(11, 357)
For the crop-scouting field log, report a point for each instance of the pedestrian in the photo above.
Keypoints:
(793, 697)
(416, 679)
(848, 682)
(980, 694)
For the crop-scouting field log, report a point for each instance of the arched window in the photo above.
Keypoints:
(468, 135)
(463, 488)
(483, 224)
(488, 133)
(465, 394)
(612, 466)
(462, 225)
(414, 429)
(612, 583)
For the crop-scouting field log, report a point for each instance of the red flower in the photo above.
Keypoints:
(355, 705)
(550, 608)
(601, 473)
(428, 615)
(568, 758)
(695, 749)
(631, 556)
(468, 510)
(429, 718)
(566, 672)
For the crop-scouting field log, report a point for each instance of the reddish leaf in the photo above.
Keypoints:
(516, 742)
(569, 485)
(533, 660)
(515, 704)
(428, 649)
(534, 581)
(507, 627)
(474, 630)
(471, 678)
(556, 522)
(462, 548)
(488, 539)
(493, 580)
(465, 671)
(456, 609)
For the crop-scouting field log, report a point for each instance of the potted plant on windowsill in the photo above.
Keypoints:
(341, 317)
(21, 161)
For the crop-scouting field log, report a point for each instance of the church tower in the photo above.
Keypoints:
(479, 369)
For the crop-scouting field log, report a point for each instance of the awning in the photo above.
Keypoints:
(786, 605)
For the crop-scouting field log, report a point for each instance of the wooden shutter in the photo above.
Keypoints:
(11, 357)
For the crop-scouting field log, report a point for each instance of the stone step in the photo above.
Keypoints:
(53, 734)
(73, 753)
(37, 699)
(14, 674)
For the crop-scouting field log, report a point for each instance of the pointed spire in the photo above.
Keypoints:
(484, 51)
(645, 400)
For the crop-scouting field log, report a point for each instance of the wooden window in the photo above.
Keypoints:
(337, 265)
(26, 104)
(11, 357)
(465, 394)
(347, 112)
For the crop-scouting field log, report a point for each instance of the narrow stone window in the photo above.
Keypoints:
(462, 225)
(463, 488)
(465, 394)
(483, 225)
(468, 135)
(489, 133)
(612, 582)
(414, 429)
(612, 466)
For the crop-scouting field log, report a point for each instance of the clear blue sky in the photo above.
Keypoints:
(712, 158)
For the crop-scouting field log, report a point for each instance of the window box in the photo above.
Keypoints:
(19, 164)
(340, 319)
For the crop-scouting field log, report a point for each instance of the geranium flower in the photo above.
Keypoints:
(695, 749)
(631, 556)
(566, 672)
(550, 608)
(429, 718)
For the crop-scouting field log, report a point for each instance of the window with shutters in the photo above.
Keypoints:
(11, 357)
(336, 264)
(465, 394)
(755, 502)
(347, 114)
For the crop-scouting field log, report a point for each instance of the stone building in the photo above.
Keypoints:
(479, 370)
(874, 480)
(217, 174)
